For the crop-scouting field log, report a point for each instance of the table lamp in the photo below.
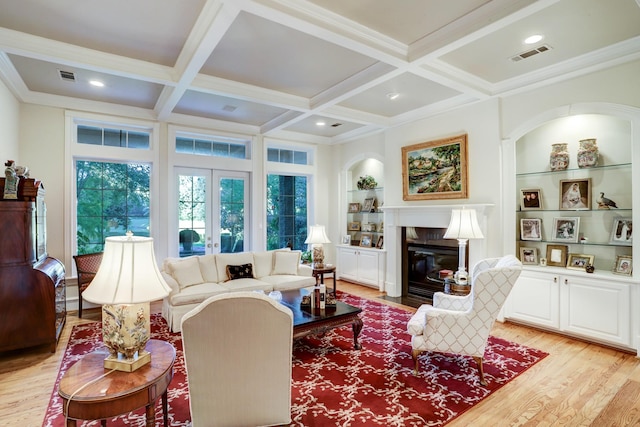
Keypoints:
(127, 280)
(316, 238)
(463, 226)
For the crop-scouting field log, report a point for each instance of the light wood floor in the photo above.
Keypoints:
(578, 384)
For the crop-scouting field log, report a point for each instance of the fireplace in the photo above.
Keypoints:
(425, 253)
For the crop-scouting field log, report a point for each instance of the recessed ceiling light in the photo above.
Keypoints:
(393, 95)
(320, 123)
(96, 83)
(533, 39)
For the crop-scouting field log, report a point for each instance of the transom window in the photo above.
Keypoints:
(210, 146)
(282, 155)
(108, 137)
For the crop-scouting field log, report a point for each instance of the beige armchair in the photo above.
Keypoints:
(237, 351)
(461, 325)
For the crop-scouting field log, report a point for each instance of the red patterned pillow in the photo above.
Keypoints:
(244, 271)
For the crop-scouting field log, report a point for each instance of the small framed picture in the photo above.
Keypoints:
(557, 255)
(531, 229)
(565, 229)
(380, 242)
(529, 255)
(381, 227)
(346, 239)
(621, 232)
(623, 265)
(369, 204)
(579, 261)
(369, 227)
(354, 207)
(531, 199)
(575, 194)
(366, 240)
(354, 226)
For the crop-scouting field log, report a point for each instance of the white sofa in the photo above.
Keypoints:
(194, 279)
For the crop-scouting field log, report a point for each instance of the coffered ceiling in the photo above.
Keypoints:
(279, 67)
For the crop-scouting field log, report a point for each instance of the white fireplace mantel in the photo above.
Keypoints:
(438, 216)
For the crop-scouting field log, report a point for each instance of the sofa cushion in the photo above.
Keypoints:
(196, 294)
(208, 268)
(247, 285)
(186, 272)
(263, 262)
(284, 282)
(238, 258)
(286, 262)
(244, 271)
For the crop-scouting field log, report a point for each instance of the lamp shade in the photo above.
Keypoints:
(463, 225)
(317, 235)
(128, 273)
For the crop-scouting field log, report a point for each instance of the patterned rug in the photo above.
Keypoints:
(333, 384)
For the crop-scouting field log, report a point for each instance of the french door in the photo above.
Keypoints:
(213, 208)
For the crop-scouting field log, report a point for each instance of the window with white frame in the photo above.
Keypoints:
(206, 145)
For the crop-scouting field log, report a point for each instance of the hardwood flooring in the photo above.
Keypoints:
(578, 384)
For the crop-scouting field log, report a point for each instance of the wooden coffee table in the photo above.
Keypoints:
(308, 321)
(113, 393)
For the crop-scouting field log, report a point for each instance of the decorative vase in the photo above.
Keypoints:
(588, 153)
(559, 158)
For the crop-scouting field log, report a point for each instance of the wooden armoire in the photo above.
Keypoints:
(32, 284)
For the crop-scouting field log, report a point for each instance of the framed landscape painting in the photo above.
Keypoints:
(435, 169)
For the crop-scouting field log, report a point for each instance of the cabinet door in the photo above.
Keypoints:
(368, 267)
(535, 299)
(596, 309)
(348, 263)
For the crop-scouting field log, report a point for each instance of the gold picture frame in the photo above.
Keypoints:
(435, 170)
(579, 261)
(557, 255)
(366, 240)
(354, 207)
(528, 256)
(623, 265)
(354, 226)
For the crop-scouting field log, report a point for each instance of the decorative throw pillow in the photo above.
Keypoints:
(186, 272)
(244, 271)
(287, 262)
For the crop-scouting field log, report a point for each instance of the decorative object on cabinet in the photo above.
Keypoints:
(366, 240)
(435, 169)
(463, 226)
(623, 265)
(369, 205)
(346, 239)
(559, 157)
(316, 238)
(528, 256)
(369, 227)
(531, 229)
(621, 232)
(575, 194)
(590, 268)
(557, 255)
(566, 229)
(380, 242)
(366, 182)
(354, 207)
(354, 226)
(531, 199)
(604, 203)
(127, 280)
(543, 261)
(588, 153)
(579, 261)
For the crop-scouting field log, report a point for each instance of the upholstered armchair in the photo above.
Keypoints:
(87, 266)
(237, 351)
(461, 325)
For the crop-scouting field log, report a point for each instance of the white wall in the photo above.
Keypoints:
(9, 119)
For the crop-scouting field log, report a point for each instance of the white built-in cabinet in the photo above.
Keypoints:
(362, 265)
(594, 306)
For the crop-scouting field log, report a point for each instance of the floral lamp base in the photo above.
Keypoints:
(125, 332)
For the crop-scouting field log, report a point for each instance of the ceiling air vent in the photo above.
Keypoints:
(530, 53)
(67, 76)
(229, 108)
(335, 125)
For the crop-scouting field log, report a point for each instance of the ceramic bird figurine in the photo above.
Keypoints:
(604, 203)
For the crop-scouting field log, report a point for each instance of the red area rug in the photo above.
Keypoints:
(333, 384)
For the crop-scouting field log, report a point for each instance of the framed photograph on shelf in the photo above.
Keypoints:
(369, 227)
(575, 194)
(557, 255)
(531, 229)
(380, 242)
(369, 204)
(528, 256)
(354, 226)
(381, 227)
(579, 261)
(354, 207)
(435, 169)
(346, 239)
(623, 265)
(366, 240)
(566, 229)
(621, 232)
(531, 199)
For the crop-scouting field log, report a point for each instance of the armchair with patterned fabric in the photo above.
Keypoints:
(461, 325)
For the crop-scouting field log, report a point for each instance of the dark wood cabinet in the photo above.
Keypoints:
(32, 284)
